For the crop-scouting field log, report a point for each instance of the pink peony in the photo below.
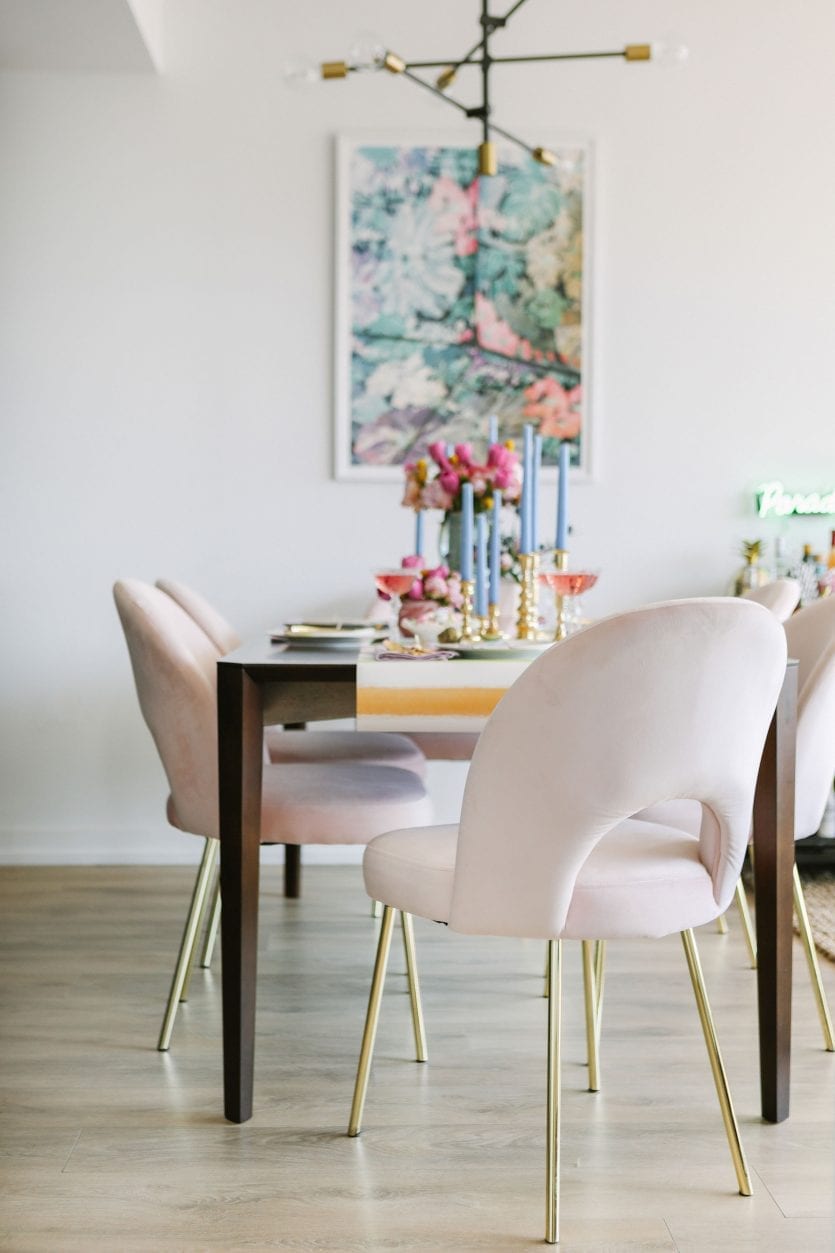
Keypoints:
(449, 481)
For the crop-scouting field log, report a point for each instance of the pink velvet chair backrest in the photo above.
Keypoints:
(174, 666)
(669, 701)
(811, 639)
(781, 597)
(222, 634)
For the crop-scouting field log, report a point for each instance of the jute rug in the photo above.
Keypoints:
(819, 891)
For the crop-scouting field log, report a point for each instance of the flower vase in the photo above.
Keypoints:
(449, 540)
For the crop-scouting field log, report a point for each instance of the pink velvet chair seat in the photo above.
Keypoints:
(646, 876)
(370, 748)
(445, 745)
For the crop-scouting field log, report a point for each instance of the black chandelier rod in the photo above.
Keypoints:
(468, 112)
(552, 56)
(467, 59)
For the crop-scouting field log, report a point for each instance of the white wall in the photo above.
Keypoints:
(165, 352)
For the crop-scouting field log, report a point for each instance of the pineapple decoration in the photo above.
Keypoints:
(752, 574)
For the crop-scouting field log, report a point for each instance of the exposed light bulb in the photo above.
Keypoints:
(300, 72)
(669, 51)
(367, 51)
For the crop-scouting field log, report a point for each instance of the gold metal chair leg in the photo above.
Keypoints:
(590, 995)
(204, 910)
(812, 962)
(211, 931)
(599, 966)
(716, 1064)
(552, 1127)
(722, 925)
(414, 986)
(747, 926)
(372, 1017)
(547, 969)
(189, 940)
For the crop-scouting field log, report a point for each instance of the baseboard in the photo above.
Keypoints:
(138, 848)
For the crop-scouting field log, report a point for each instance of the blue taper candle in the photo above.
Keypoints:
(537, 465)
(418, 533)
(493, 430)
(527, 479)
(495, 548)
(481, 565)
(562, 497)
(467, 531)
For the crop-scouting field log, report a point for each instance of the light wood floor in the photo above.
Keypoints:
(108, 1145)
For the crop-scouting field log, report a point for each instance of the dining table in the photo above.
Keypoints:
(263, 684)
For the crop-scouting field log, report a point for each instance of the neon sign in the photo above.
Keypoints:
(774, 501)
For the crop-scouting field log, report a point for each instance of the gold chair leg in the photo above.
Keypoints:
(590, 992)
(372, 1017)
(547, 969)
(211, 932)
(716, 1064)
(747, 927)
(552, 1122)
(722, 925)
(812, 962)
(414, 986)
(204, 910)
(189, 941)
(599, 963)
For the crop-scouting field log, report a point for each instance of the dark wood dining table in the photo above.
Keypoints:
(262, 684)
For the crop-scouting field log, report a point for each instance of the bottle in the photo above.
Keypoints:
(808, 576)
(752, 573)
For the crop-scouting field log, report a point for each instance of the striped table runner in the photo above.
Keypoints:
(431, 695)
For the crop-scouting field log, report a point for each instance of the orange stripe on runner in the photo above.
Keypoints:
(465, 702)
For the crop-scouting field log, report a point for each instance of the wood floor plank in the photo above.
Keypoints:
(106, 1144)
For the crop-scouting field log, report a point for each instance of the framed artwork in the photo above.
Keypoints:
(458, 298)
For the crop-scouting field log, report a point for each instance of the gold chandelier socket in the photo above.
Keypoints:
(393, 63)
(487, 163)
(544, 156)
(334, 69)
(446, 78)
(638, 52)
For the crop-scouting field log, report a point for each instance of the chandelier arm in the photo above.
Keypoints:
(552, 56)
(436, 91)
(462, 108)
(467, 58)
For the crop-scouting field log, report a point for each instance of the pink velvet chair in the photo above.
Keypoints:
(810, 635)
(175, 665)
(369, 747)
(782, 596)
(673, 700)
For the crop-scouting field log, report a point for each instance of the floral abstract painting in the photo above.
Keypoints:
(460, 297)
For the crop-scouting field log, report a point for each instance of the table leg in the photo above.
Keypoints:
(292, 871)
(240, 747)
(773, 862)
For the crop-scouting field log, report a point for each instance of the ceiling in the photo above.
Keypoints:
(80, 36)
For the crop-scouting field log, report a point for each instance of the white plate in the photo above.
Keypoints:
(326, 634)
(500, 650)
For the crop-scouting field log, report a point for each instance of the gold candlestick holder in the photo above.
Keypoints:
(560, 563)
(469, 633)
(490, 629)
(527, 624)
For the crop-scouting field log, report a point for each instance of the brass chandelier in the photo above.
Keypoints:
(367, 54)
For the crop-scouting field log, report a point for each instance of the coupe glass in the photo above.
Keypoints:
(395, 583)
(568, 586)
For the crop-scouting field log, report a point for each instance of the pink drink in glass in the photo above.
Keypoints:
(568, 582)
(394, 582)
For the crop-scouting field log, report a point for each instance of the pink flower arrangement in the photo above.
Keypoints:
(501, 471)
